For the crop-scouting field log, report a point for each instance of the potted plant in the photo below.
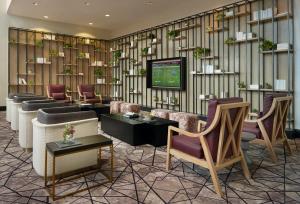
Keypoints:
(172, 34)
(99, 74)
(116, 55)
(254, 110)
(53, 53)
(39, 43)
(199, 52)
(209, 28)
(126, 72)
(267, 45)
(68, 45)
(268, 86)
(68, 71)
(115, 80)
(81, 55)
(151, 36)
(229, 41)
(220, 16)
(142, 71)
(242, 85)
(145, 50)
(68, 133)
(155, 98)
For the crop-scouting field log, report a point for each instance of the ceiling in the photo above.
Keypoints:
(125, 15)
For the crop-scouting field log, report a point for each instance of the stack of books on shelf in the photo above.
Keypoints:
(240, 36)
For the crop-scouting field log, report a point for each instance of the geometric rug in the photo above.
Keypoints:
(136, 180)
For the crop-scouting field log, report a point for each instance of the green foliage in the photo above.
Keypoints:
(126, 72)
(242, 85)
(229, 41)
(81, 55)
(173, 34)
(220, 16)
(98, 72)
(115, 80)
(142, 71)
(68, 71)
(39, 43)
(199, 52)
(155, 98)
(254, 110)
(68, 45)
(145, 50)
(268, 86)
(53, 53)
(151, 36)
(267, 45)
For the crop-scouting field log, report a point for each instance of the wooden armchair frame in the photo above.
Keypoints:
(224, 145)
(83, 97)
(50, 97)
(280, 108)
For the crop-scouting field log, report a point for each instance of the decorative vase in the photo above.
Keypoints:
(68, 138)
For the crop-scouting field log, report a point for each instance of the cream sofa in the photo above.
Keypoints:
(9, 102)
(45, 130)
(17, 102)
(27, 112)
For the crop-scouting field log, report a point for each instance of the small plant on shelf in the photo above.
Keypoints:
(254, 110)
(172, 34)
(268, 86)
(155, 98)
(242, 85)
(12, 41)
(145, 50)
(116, 55)
(30, 83)
(220, 16)
(200, 52)
(97, 49)
(142, 71)
(132, 61)
(81, 55)
(267, 45)
(115, 80)
(53, 53)
(39, 43)
(98, 73)
(68, 71)
(209, 28)
(126, 72)
(174, 100)
(229, 41)
(68, 45)
(151, 36)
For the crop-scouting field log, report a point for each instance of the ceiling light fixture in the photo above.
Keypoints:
(90, 23)
(148, 2)
(87, 3)
(35, 3)
(46, 17)
(107, 15)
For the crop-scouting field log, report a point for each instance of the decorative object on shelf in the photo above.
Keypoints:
(126, 72)
(68, 45)
(280, 84)
(68, 71)
(39, 43)
(209, 28)
(254, 86)
(115, 80)
(83, 55)
(116, 55)
(98, 73)
(49, 37)
(220, 16)
(97, 63)
(267, 45)
(12, 41)
(172, 34)
(68, 133)
(254, 110)
(268, 86)
(155, 98)
(61, 54)
(142, 71)
(133, 43)
(132, 61)
(30, 82)
(264, 14)
(230, 41)
(283, 46)
(145, 50)
(53, 53)
(199, 52)
(242, 85)
(242, 36)
(173, 100)
(229, 13)
(151, 36)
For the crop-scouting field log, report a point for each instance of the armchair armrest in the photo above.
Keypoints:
(69, 97)
(100, 97)
(201, 125)
(172, 129)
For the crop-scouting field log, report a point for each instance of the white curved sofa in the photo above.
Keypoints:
(45, 133)
(9, 102)
(27, 112)
(17, 102)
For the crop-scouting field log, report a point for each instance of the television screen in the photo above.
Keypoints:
(167, 73)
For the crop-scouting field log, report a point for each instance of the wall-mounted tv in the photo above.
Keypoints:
(167, 73)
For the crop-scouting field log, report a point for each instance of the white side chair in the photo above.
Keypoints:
(45, 133)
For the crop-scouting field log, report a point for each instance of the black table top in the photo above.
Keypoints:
(86, 143)
(135, 121)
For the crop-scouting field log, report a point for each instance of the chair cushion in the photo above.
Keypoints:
(89, 95)
(58, 88)
(188, 145)
(252, 128)
(86, 88)
(59, 96)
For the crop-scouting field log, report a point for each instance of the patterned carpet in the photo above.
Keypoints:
(137, 181)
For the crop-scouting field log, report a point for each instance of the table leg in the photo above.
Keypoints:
(111, 162)
(100, 154)
(153, 156)
(46, 162)
(53, 179)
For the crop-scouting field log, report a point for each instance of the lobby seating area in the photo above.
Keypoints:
(149, 102)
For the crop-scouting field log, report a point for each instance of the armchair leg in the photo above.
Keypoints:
(168, 163)
(270, 147)
(214, 178)
(244, 165)
(286, 143)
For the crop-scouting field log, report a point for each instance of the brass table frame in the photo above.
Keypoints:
(91, 169)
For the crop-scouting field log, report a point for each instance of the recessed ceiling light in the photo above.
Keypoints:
(107, 15)
(46, 16)
(90, 23)
(35, 3)
(148, 2)
(87, 3)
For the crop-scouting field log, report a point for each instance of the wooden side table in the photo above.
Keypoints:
(85, 144)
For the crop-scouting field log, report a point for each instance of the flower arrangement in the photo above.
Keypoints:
(68, 132)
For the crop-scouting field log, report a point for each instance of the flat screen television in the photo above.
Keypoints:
(167, 73)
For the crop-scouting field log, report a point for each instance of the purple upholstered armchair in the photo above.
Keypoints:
(269, 128)
(58, 92)
(218, 145)
(87, 94)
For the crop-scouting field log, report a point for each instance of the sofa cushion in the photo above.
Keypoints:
(89, 95)
(187, 121)
(188, 145)
(59, 96)
(35, 105)
(20, 99)
(12, 95)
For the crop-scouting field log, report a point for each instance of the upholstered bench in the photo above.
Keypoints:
(161, 113)
(17, 101)
(49, 126)
(10, 100)
(27, 112)
(115, 106)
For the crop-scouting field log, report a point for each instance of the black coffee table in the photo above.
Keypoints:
(98, 108)
(137, 131)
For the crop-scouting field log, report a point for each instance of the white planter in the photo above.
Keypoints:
(100, 81)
